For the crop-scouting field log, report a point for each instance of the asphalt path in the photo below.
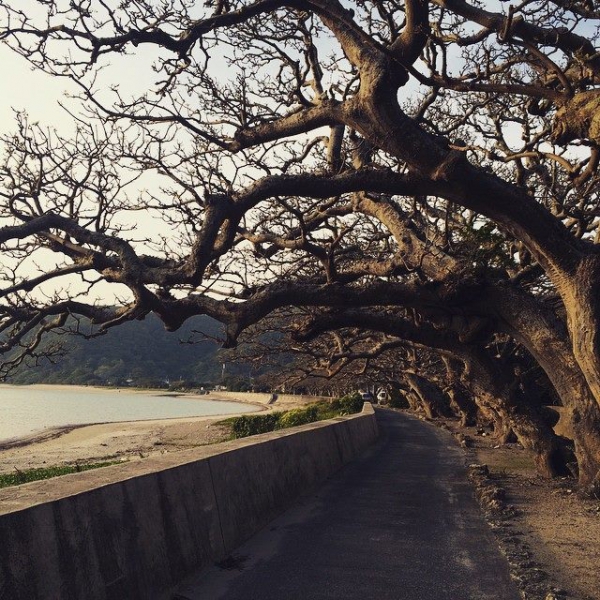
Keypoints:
(400, 523)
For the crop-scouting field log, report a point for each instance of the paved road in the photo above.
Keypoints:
(401, 523)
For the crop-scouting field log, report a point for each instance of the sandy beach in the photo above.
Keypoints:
(129, 440)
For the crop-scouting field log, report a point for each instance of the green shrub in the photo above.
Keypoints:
(253, 424)
(348, 404)
(299, 416)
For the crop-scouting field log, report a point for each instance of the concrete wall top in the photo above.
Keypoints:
(13, 499)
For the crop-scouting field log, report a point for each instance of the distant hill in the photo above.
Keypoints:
(139, 353)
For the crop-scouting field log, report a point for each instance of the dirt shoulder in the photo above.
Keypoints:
(549, 532)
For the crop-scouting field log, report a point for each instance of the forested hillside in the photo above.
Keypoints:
(137, 353)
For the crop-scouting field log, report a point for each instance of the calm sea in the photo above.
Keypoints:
(24, 410)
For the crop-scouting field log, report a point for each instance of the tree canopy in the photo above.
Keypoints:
(411, 181)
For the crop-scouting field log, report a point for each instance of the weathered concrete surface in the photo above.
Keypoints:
(400, 523)
(131, 532)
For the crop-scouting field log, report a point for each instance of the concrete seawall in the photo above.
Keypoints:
(133, 531)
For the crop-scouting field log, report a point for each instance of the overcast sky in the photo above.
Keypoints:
(25, 89)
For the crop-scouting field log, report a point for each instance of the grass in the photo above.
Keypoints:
(19, 477)
(502, 463)
(248, 425)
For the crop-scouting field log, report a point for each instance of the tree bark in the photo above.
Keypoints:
(463, 405)
(581, 294)
(546, 338)
(431, 397)
(502, 430)
(494, 387)
(414, 402)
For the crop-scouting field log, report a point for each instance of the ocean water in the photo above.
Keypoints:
(25, 410)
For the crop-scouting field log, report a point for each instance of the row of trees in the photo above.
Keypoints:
(409, 186)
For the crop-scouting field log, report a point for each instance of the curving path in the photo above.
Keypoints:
(401, 523)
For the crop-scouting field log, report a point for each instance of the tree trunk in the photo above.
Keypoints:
(546, 338)
(398, 397)
(581, 295)
(432, 398)
(496, 419)
(462, 406)
(461, 403)
(493, 386)
(485, 416)
(414, 402)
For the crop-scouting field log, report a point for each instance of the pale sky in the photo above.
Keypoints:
(38, 93)
(25, 89)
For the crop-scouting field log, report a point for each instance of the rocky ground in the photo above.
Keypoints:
(547, 529)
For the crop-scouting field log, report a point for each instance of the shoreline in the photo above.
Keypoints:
(96, 389)
(36, 437)
(55, 431)
(125, 440)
